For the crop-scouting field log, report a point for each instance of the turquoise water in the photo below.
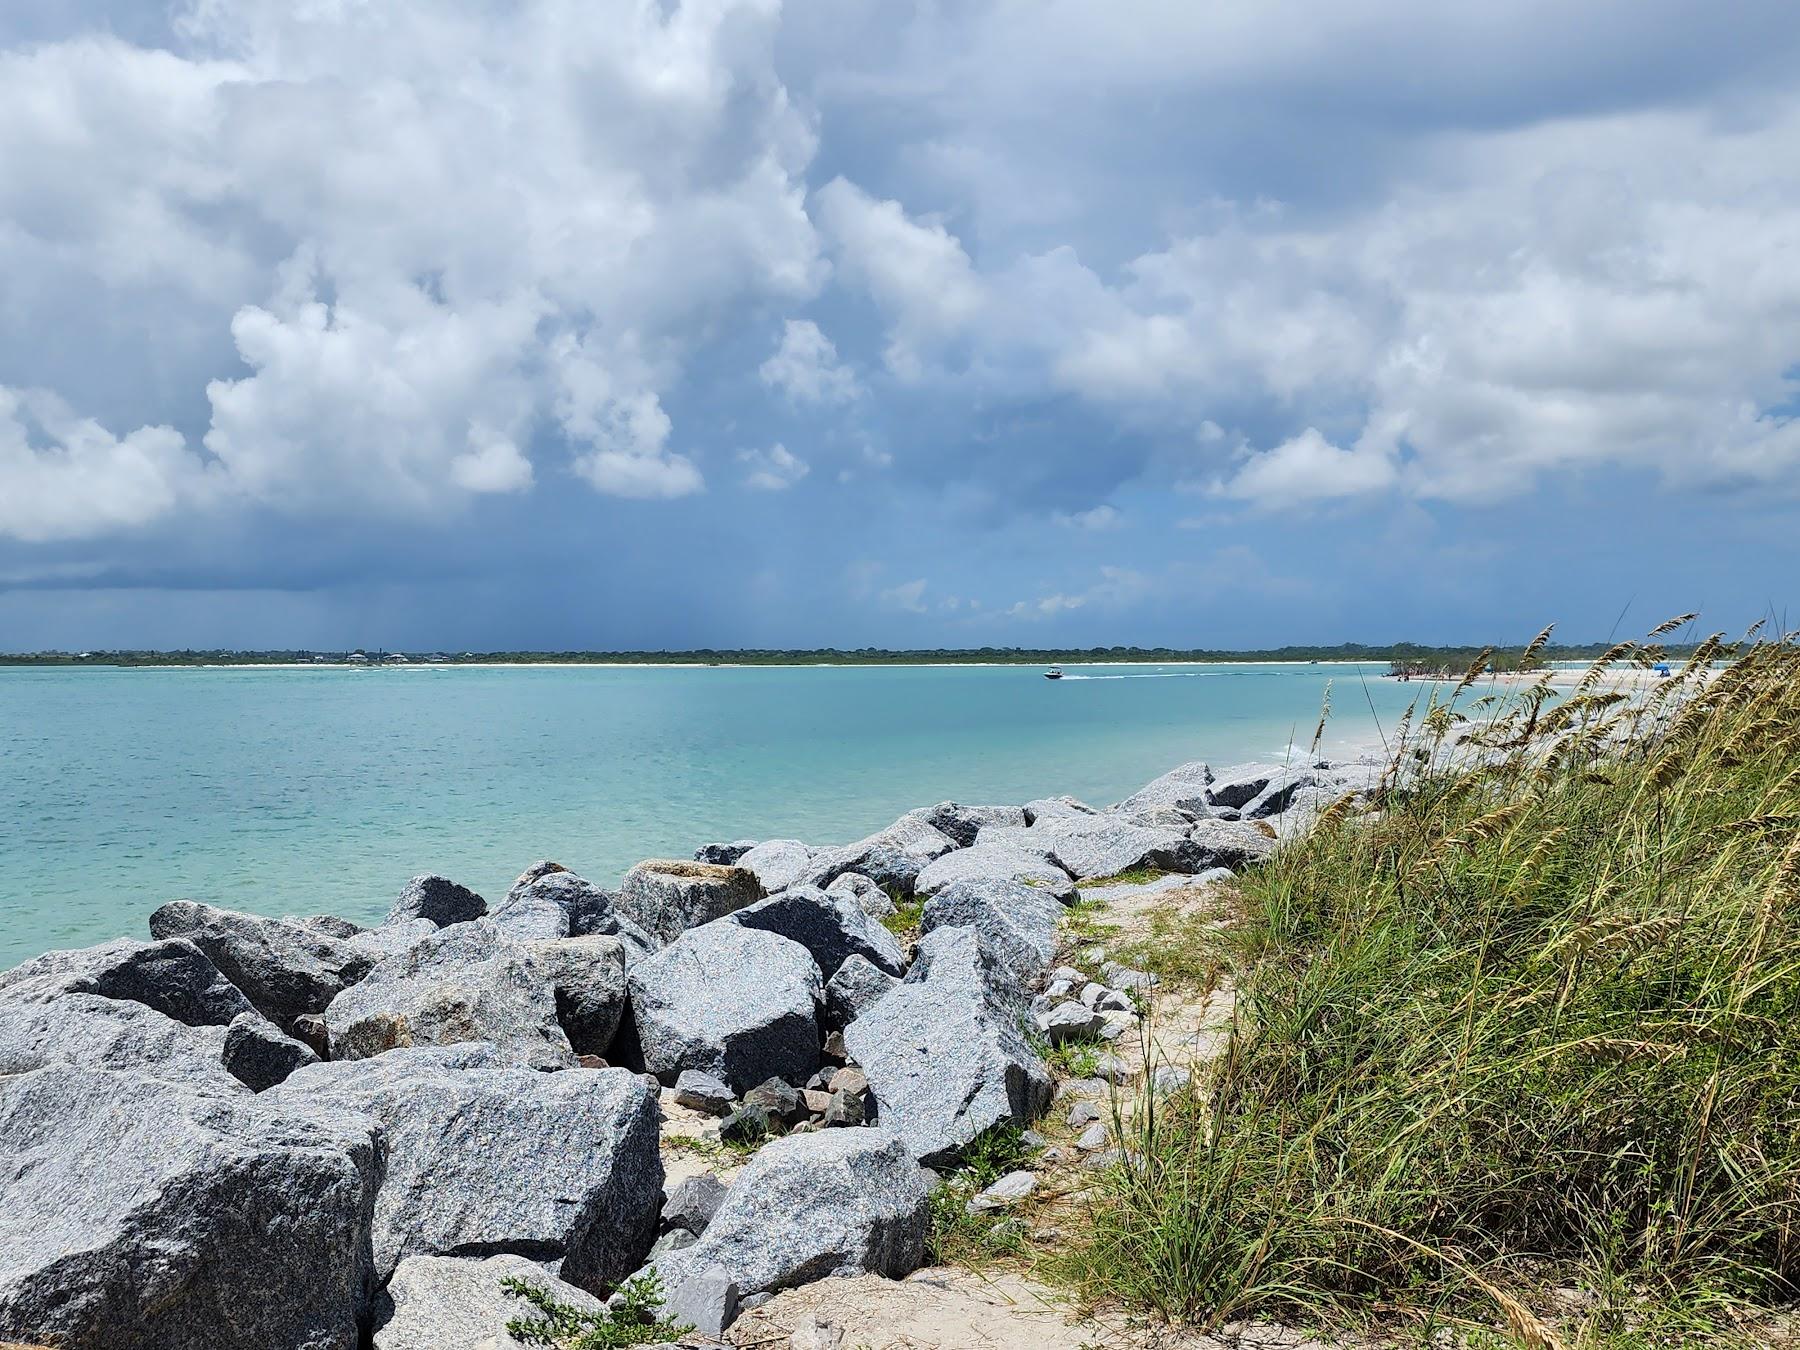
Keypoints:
(306, 791)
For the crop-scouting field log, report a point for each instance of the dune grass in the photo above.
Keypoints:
(1518, 1044)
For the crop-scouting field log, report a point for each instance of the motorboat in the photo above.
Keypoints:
(1054, 673)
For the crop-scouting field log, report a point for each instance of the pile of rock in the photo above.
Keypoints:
(254, 1131)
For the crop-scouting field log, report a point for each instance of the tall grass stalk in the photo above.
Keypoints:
(1531, 1018)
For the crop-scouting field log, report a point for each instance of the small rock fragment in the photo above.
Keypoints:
(1112, 1069)
(258, 1055)
(706, 1301)
(780, 1100)
(700, 1091)
(849, 1080)
(748, 1125)
(692, 1203)
(1168, 1079)
(1124, 977)
(847, 1108)
(1004, 1193)
(1068, 1022)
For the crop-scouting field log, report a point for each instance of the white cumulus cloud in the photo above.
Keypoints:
(806, 368)
(63, 476)
(774, 469)
(1096, 518)
(1309, 468)
(378, 236)
(915, 269)
(908, 596)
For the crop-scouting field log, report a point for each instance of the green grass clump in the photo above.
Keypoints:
(1187, 951)
(904, 921)
(1133, 876)
(1084, 924)
(952, 1234)
(636, 1319)
(1532, 1023)
(1070, 1059)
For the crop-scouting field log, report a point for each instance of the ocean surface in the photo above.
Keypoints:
(322, 790)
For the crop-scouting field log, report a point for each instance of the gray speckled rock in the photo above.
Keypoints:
(588, 975)
(838, 1202)
(1006, 857)
(1183, 788)
(1047, 808)
(540, 869)
(107, 1033)
(329, 924)
(1280, 791)
(466, 983)
(724, 855)
(1295, 796)
(562, 904)
(692, 1203)
(734, 1002)
(436, 898)
(284, 968)
(137, 1214)
(1104, 846)
(1158, 818)
(1235, 844)
(456, 1302)
(390, 939)
(1069, 1021)
(666, 897)
(702, 1092)
(869, 897)
(831, 927)
(963, 823)
(892, 856)
(485, 1156)
(173, 977)
(258, 1055)
(1017, 922)
(853, 990)
(892, 867)
(944, 1053)
(778, 863)
(706, 1300)
(1240, 784)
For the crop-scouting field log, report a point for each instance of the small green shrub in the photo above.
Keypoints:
(636, 1319)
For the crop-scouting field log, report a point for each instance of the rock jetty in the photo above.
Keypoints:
(246, 1132)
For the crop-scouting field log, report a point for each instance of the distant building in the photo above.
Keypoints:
(357, 659)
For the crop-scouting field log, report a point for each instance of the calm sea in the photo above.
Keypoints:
(306, 791)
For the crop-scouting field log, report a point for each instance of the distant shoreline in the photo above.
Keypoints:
(1417, 657)
(646, 665)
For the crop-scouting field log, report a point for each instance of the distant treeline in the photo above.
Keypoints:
(1401, 656)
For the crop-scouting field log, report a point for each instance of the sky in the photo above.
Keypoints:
(602, 324)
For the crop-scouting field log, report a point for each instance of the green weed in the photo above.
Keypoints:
(636, 1319)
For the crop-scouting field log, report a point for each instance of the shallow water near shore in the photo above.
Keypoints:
(308, 791)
